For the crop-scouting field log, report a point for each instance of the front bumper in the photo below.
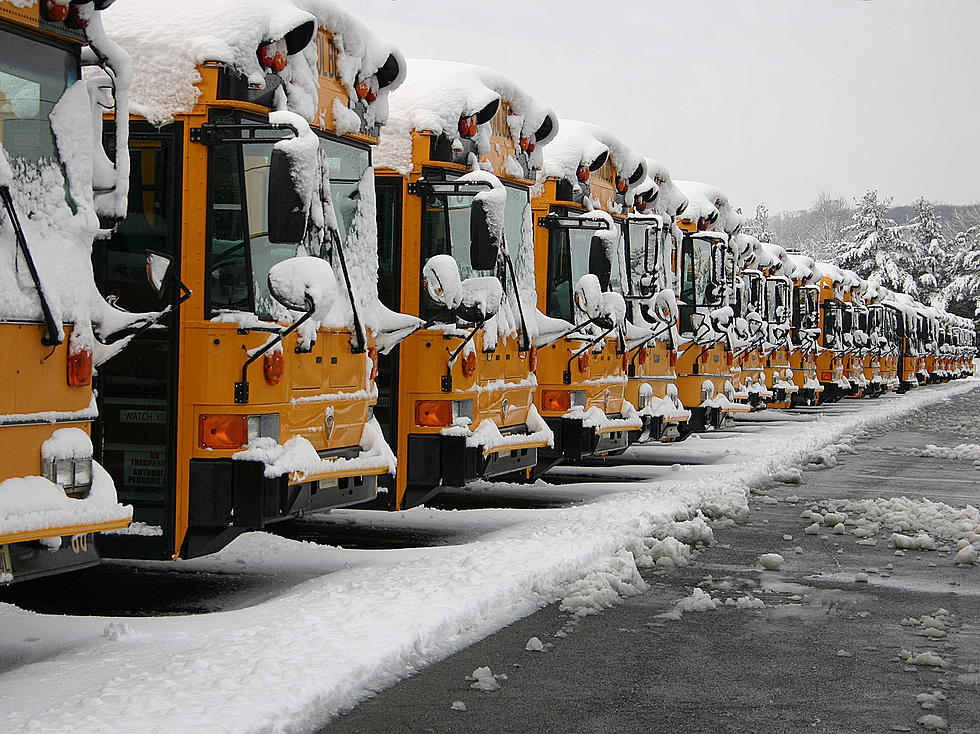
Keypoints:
(575, 441)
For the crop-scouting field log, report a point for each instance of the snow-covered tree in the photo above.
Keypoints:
(930, 266)
(964, 286)
(759, 226)
(878, 248)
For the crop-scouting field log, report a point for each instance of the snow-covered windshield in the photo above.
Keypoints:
(573, 253)
(446, 231)
(33, 76)
(695, 271)
(636, 267)
(831, 325)
(241, 254)
(777, 295)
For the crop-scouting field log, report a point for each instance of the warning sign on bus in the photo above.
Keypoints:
(145, 468)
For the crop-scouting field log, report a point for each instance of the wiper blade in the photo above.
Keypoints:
(54, 335)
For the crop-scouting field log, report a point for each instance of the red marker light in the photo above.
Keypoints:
(56, 10)
(79, 367)
(582, 173)
(373, 356)
(642, 354)
(621, 185)
(273, 367)
(469, 364)
(532, 360)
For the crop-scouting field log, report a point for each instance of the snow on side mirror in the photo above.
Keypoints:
(304, 284)
(665, 307)
(480, 299)
(440, 275)
(157, 270)
(612, 308)
(588, 295)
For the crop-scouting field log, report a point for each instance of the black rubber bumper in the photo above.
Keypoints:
(436, 461)
(31, 560)
(575, 441)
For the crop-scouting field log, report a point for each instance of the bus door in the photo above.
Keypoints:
(135, 434)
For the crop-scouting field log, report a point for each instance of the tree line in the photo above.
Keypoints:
(929, 250)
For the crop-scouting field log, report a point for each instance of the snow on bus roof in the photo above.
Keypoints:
(436, 95)
(708, 202)
(582, 143)
(802, 266)
(668, 199)
(829, 270)
(169, 39)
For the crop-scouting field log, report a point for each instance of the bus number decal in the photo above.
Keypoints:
(79, 543)
(326, 57)
(6, 566)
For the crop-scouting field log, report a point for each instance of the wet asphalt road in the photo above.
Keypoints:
(823, 655)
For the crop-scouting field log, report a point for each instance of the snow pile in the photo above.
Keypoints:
(707, 203)
(960, 452)
(914, 522)
(605, 587)
(35, 504)
(698, 601)
(298, 456)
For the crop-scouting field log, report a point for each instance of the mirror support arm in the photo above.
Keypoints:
(567, 374)
(241, 388)
(447, 379)
(525, 337)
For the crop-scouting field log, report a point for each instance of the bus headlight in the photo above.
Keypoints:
(74, 475)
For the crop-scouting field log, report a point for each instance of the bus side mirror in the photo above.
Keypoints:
(484, 249)
(599, 263)
(158, 268)
(304, 283)
(287, 210)
(480, 301)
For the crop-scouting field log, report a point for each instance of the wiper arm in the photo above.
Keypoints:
(54, 336)
(525, 337)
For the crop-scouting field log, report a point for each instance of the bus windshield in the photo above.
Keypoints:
(33, 76)
(446, 231)
(639, 232)
(568, 260)
(695, 271)
(831, 325)
(241, 254)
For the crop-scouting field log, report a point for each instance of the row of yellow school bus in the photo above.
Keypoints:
(305, 274)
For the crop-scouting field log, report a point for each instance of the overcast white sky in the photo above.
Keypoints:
(772, 100)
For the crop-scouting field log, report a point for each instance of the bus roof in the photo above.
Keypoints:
(709, 203)
(438, 94)
(169, 39)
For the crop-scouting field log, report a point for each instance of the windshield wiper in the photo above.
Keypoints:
(54, 336)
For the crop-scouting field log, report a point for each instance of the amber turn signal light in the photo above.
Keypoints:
(556, 400)
(434, 413)
(222, 431)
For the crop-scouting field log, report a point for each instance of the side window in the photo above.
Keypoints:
(559, 276)
(228, 271)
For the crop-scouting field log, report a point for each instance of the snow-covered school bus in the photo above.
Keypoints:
(577, 211)
(252, 210)
(649, 285)
(832, 351)
(774, 264)
(57, 188)
(455, 168)
(805, 329)
(706, 274)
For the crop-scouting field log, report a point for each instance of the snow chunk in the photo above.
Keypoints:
(932, 722)
(922, 541)
(603, 588)
(771, 561)
(534, 645)
(698, 601)
(458, 706)
(484, 680)
(966, 554)
(67, 443)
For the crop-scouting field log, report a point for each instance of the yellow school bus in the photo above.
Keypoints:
(832, 352)
(749, 326)
(578, 214)
(805, 329)
(649, 287)
(705, 263)
(53, 496)
(454, 173)
(773, 262)
(251, 402)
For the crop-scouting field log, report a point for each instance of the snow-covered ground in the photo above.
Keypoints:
(368, 618)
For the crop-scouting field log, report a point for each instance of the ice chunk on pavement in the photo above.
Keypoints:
(750, 602)
(966, 554)
(484, 680)
(928, 658)
(698, 601)
(458, 706)
(812, 529)
(789, 475)
(932, 722)
(861, 578)
(771, 561)
(921, 541)
(534, 645)
(833, 518)
(839, 529)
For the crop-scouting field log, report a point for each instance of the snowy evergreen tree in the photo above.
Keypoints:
(930, 265)
(759, 227)
(962, 293)
(875, 247)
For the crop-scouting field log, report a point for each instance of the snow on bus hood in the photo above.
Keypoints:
(704, 200)
(169, 39)
(437, 94)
